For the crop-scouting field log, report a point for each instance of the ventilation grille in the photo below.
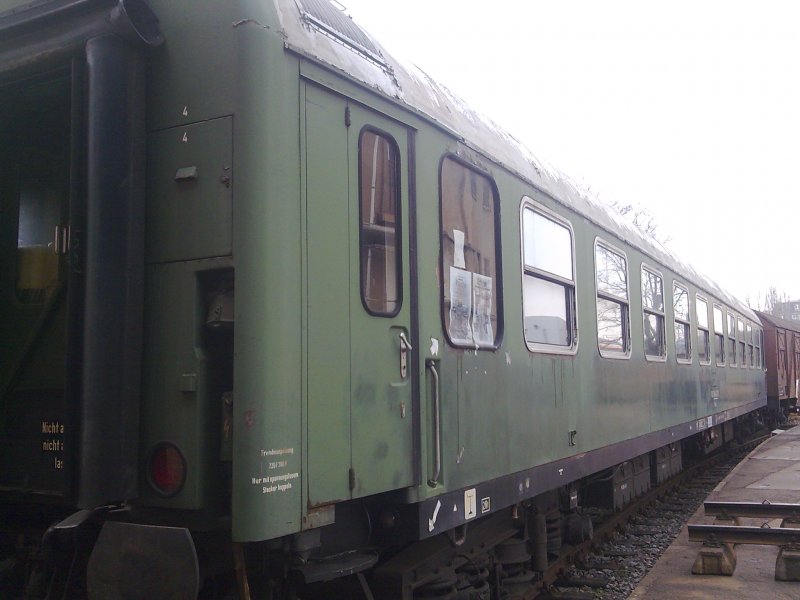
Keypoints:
(326, 18)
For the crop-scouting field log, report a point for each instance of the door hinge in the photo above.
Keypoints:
(352, 476)
(347, 120)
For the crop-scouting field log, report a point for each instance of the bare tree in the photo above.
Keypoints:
(775, 303)
(642, 219)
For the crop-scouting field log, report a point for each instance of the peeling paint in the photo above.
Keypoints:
(460, 455)
(508, 359)
(253, 21)
(434, 347)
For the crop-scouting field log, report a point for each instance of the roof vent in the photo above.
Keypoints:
(328, 17)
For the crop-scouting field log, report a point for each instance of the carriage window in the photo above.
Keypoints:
(470, 265)
(750, 347)
(683, 339)
(719, 335)
(742, 345)
(758, 334)
(732, 338)
(548, 281)
(379, 207)
(653, 309)
(783, 364)
(703, 342)
(39, 214)
(613, 321)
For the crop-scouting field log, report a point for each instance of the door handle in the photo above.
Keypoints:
(437, 425)
(61, 240)
(405, 348)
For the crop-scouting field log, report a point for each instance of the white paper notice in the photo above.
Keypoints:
(458, 257)
(482, 328)
(460, 329)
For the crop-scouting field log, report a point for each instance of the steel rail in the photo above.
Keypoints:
(608, 528)
(737, 534)
(756, 510)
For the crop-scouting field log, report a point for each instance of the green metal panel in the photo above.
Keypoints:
(268, 376)
(328, 292)
(194, 78)
(359, 405)
(179, 402)
(189, 191)
(381, 396)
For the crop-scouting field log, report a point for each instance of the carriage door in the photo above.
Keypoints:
(358, 335)
(34, 196)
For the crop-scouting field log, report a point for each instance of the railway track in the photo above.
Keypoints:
(626, 544)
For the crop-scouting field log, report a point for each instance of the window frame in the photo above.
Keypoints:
(528, 203)
(742, 342)
(720, 360)
(687, 324)
(731, 320)
(626, 312)
(758, 342)
(698, 298)
(498, 283)
(398, 214)
(751, 360)
(663, 314)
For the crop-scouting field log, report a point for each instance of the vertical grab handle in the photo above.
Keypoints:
(437, 425)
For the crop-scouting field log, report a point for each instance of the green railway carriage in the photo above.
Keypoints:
(263, 284)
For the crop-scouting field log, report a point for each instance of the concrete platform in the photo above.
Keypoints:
(771, 472)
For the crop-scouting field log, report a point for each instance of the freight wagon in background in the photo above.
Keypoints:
(782, 361)
(274, 304)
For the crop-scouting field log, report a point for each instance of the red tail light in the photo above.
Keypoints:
(167, 469)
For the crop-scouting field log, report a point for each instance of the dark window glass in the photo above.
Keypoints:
(742, 344)
(548, 285)
(680, 306)
(610, 332)
(469, 260)
(654, 335)
(682, 348)
(759, 344)
(39, 213)
(653, 306)
(703, 343)
(612, 301)
(379, 206)
(719, 335)
(732, 339)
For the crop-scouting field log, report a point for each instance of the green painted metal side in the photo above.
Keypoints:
(316, 378)
(381, 397)
(327, 240)
(181, 399)
(359, 404)
(509, 409)
(268, 253)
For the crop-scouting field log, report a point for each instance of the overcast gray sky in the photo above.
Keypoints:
(689, 109)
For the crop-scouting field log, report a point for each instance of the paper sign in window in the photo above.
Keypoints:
(460, 330)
